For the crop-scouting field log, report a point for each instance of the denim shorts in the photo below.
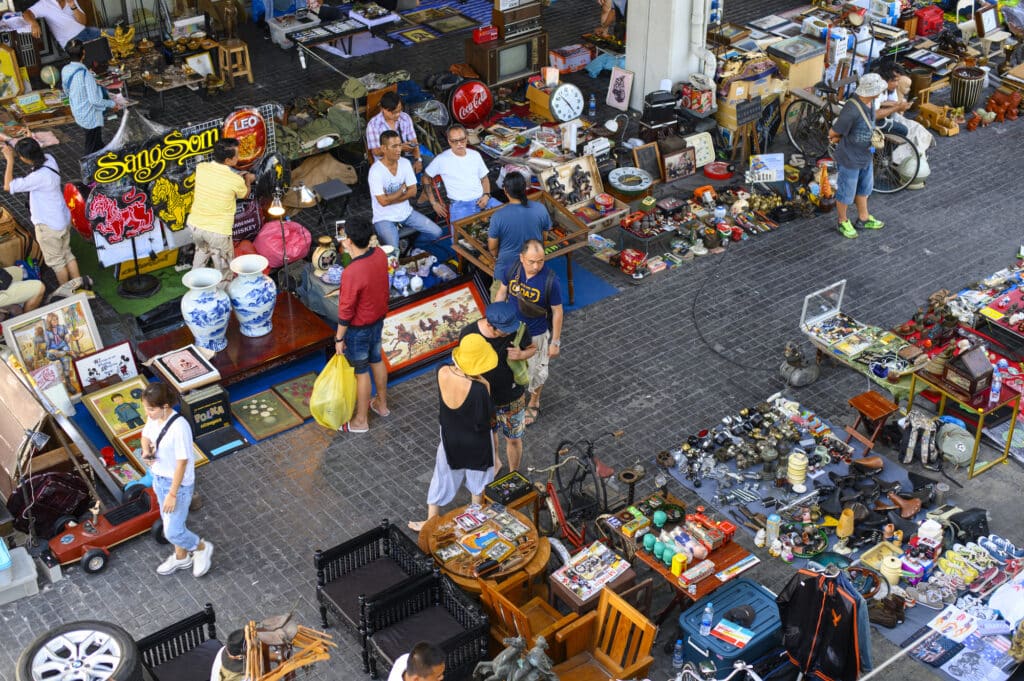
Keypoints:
(854, 182)
(362, 346)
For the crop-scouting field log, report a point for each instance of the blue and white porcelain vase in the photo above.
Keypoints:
(253, 295)
(206, 308)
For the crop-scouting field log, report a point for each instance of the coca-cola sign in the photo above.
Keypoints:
(471, 103)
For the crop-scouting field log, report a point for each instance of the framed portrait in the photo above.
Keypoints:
(648, 157)
(265, 414)
(118, 408)
(58, 333)
(682, 163)
(423, 330)
(986, 20)
(418, 35)
(619, 87)
(186, 368)
(106, 367)
(201, 63)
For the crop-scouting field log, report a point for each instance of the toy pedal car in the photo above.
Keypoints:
(89, 542)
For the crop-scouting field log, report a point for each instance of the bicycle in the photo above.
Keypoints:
(690, 672)
(807, 125)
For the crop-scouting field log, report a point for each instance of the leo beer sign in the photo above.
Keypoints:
(248, 127)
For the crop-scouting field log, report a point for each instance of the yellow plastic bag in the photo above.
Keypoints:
(334, 394)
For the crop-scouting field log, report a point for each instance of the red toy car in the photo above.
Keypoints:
(89, 542)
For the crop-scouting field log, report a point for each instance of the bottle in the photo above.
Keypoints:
(774, 521)
(677, 656)
(592, 108)
(997, 387)
(706, 618)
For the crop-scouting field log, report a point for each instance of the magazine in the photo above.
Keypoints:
(590, 569)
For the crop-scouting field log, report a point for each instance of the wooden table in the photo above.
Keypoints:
(536, 561)
(297, 332)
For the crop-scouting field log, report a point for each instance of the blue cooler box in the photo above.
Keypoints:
(766, 627)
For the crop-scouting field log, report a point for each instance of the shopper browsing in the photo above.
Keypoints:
(512, 225)
(167, 447)
(392, 184)
(851, 132)
(212, 219)
(424, 663)
(88, 101)
(465, 178)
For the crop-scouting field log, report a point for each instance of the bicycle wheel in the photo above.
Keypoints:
(807, 129)
(890, 177)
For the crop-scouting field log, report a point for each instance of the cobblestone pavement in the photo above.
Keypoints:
(660, 359)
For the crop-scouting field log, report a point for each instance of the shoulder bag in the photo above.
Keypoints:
(519, 366)
(877, 136)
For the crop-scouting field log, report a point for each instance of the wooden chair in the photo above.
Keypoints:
(515, 611)
(613, 641)
(640, 596)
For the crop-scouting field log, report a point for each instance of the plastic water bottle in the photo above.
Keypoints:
(997, 387)
(677, 656)
(706, 619)
(592, 107)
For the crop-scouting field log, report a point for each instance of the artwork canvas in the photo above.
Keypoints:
(57, 334)
(682, 163)
(109, 365)
(265, 414)
(424, 15)
(418, 35)
(430, 326)
(118, 408)
(619, 86)
(648, 157)
(296, 393)
(457, 22)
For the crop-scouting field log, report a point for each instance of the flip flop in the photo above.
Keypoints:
(532, 415)
(382, 414)
(346, 428)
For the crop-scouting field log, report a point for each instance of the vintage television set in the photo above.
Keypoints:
(503, 61)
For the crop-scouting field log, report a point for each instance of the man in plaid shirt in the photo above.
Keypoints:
(391, 117)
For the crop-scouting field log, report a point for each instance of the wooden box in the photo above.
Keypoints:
(801, 74)
(971, 372)
(568, 233)
(584, 209)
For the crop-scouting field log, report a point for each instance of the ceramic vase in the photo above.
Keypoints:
(206, 308)
(253, 295)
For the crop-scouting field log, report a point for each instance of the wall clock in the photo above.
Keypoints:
(703, 147)
(566, 102)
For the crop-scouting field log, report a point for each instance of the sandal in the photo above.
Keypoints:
(378, 412)
(532, 414)
(347, 428)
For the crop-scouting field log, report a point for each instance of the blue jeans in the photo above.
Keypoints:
(463, 209)
(387, 232)
(362, 346)
(174, 523)
(88, 33)
(854, 182)
(889, 125)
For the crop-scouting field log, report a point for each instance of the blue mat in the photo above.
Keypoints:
(477, 10)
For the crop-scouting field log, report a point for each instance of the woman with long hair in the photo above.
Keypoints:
(512, 225)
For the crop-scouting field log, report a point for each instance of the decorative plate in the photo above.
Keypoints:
(630, 180)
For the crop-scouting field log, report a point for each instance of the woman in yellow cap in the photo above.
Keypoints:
(465, 455)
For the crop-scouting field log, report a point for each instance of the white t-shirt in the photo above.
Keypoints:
(60, 20)
(399, 668)
(461, 174)
(381, 181)
(176, 445)
(45, 198)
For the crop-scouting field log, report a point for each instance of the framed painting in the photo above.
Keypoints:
(265, 414)
(418, 35)
(456, 22)
(422, 16)
(106, 367)
(648, 157)
(619, 87)
(419, 332)
(58, 333)
(682, 163)
(118, 408)
(296, 393)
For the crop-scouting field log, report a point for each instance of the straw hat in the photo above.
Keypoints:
(474, 355)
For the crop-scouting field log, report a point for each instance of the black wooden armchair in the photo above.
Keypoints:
(366, 566)
(184, 651)
(429, 608)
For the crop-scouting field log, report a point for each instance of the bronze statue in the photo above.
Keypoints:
(230, 18)
(504, 665)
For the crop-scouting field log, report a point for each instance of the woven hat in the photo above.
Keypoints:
(871, 85)
(474, 355)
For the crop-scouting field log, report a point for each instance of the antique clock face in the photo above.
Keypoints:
(566, 102)
(703, 147)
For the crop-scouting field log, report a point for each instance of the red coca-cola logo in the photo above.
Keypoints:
(471, 103)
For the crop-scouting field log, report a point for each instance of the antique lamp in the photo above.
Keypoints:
(304, 196)
(276, 211)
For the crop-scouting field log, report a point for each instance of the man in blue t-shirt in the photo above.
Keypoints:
(535, 289)
(851, 133)
(512, 225)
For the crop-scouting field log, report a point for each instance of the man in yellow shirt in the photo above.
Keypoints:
(218, 186)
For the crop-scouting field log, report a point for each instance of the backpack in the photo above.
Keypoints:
(919, 440)
(955, 443)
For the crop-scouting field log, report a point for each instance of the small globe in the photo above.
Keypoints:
(50, 75)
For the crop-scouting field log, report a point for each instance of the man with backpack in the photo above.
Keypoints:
(535, 289)
(88, 101)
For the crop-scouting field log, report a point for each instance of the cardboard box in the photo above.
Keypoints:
(571, 58)
(801, 75)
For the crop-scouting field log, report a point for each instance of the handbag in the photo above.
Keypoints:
(520, 372)
(877, 135)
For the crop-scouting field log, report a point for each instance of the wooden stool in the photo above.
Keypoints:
(873, 410)
(234, 60)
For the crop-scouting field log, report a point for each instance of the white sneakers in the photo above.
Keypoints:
(199, 561)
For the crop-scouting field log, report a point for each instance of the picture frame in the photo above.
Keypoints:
(118, 408)
(296, 392)
(787, 30)
(163, 259)
(201, 63)
(71, 334)
(11, 84)
(422, 16)
(456, 22)
(679, 164)
(427, 328)
(619, 86)
(128, 443)
(265, 414)
(648, 157)
(186, 368)
(986, 20)
(418, 35)
(105, 367)
(728, 34)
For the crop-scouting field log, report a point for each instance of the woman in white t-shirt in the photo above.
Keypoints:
(167, 448)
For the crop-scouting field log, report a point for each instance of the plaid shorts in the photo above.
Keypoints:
(512, 418)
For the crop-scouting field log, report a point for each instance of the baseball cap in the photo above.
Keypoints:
(503, 316)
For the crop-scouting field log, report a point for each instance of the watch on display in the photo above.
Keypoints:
(566, 102)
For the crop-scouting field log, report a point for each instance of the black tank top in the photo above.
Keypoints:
(466, 430)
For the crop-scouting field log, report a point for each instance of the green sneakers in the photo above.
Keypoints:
(870, 223)
(847, 230)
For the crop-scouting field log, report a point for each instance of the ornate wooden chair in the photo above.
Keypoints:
(613, 641)
(530, 617)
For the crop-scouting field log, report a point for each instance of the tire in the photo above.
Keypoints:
(548, 519)
(61, 523)
(600, 491)
(108, 651)
(807, 129)
(887, 177)
(157, 531)
(94, 560)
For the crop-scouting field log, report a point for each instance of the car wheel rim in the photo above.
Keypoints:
(96, 563)
(81, 655)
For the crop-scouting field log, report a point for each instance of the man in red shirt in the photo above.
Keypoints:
(362, 305)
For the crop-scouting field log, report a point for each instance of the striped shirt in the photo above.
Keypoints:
(376, 125)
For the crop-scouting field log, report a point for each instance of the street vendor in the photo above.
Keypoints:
(392, 184)
(892, 106)
(64, 18)
(212, 219)
(611, 12)
(465, 178)
(392, 117)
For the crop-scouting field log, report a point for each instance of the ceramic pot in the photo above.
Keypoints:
(325, 254)
(253, 295)
(206, 308)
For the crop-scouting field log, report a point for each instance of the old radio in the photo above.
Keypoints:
(520, 21)
(503, 61)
